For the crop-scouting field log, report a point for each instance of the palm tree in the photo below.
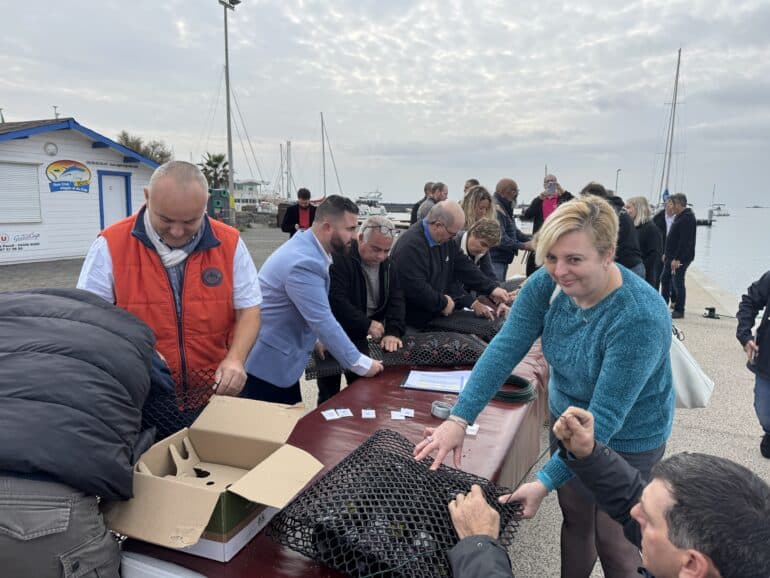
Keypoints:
(214, 168)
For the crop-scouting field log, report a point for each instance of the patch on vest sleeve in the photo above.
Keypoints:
(212, 277)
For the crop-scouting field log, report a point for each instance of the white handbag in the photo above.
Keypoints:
(692, 386)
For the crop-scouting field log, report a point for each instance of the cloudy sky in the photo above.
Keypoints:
(415, 91)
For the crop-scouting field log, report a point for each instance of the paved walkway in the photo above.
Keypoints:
(728, 427)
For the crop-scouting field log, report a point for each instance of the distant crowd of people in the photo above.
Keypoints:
(601, 276)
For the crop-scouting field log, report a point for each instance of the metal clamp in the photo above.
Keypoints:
(441, 409)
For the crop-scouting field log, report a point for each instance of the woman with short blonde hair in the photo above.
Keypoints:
(650, 238)
(606, 336)
(592, 215)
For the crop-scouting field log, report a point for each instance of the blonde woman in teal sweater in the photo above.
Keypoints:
(606, 335)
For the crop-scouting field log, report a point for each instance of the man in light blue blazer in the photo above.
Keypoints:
(295, 308)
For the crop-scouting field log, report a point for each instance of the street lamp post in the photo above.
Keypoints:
(617, 173)
(229, 5)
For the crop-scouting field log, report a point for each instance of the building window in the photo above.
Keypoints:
(19, 193)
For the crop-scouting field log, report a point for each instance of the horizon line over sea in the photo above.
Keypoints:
(732, 253)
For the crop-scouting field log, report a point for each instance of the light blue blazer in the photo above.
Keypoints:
(295, 312)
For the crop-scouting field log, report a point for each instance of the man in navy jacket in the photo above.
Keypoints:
(678, 254)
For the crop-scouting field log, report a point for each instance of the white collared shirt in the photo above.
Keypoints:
(96, 275)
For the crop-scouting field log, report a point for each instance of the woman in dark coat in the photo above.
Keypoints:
(650, 238)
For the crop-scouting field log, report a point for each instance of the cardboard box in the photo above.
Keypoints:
(210, 488)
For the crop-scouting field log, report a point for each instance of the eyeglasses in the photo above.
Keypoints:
(384, 229)
(447, 229)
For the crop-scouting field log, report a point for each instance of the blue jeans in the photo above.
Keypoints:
(500, 269)
(762, 402)
(672, 285)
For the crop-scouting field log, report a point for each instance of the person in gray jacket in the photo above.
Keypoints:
(74, 376)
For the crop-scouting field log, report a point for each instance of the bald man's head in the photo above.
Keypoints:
(445, 219)
(507, 188)
(176, 197)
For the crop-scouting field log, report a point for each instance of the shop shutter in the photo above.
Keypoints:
(19, 193)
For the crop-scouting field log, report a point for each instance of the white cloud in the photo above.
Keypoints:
(411, 91)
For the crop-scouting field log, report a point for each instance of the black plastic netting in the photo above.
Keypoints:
(380, 512)
(421, 350)
(175, 404)
(467, 322)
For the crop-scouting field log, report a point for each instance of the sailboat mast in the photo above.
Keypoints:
(289, 179)
(664, 178)
(323, 153)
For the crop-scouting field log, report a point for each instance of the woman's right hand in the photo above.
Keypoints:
(447, 437)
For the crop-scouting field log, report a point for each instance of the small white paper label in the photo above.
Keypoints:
(407, 412)
(330, 414)
(368, 414)
(472, 430)
(396, 415)
(344, 412)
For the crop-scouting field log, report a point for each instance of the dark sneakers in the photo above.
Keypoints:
(764, 446)
(677, 315)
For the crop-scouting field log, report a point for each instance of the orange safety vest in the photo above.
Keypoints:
(194, 344)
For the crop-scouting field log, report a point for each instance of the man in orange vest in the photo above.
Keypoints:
(188, 277)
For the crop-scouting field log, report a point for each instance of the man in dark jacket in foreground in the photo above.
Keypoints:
(74, 374)
(757, 350)
(428, 259)
(684, 520)
(365, 295)
(679, 252)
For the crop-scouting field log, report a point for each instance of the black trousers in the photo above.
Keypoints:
(260, 389)
(329, 386)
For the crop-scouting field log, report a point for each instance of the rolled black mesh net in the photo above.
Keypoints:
(381, 513)
(421, 349)
(467, 322)
(174, 403)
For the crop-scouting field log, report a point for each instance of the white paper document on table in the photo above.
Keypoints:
(443, 381)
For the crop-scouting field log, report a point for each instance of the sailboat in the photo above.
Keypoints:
(718, 209)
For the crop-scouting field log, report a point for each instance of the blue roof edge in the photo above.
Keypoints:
(72, 124)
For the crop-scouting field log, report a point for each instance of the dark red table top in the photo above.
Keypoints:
(332, 441)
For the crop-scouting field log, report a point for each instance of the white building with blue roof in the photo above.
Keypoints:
(60, 184)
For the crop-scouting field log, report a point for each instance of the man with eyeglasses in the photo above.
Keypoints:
(428, 259)
(365, 295)
(512, 240)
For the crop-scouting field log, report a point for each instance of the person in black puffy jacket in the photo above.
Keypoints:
(74, 376)
(757, 349)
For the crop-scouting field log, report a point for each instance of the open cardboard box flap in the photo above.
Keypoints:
(169, 514)
(278, 478)
(246, 418)
(237, 432)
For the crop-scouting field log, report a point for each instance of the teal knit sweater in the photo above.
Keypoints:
(612, 359)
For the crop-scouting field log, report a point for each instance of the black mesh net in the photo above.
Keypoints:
(467, 322)
(381, 513)
(176, 405)
(421, 350)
